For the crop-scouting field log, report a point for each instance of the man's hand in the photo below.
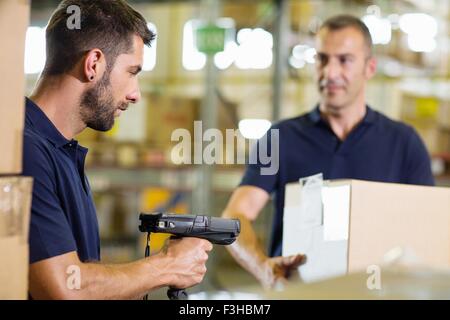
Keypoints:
(246, 204)
(279, 269)
(186, 261)
(181, 265)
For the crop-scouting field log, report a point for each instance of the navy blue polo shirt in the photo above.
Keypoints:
(378, 149)
(63, 216)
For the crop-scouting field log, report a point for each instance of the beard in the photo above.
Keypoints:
(97, 106)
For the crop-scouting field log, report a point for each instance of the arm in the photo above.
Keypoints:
(180, 265)
(245, 204)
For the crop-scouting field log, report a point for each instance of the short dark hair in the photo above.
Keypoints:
(105, 24)
(344, 21)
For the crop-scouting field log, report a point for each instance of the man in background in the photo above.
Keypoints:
(342, 137)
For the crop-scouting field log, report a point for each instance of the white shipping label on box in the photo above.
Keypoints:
(336, 212)
(310, 213)
(317, 226)
(296, 239)
(324, 259)
(305, 214)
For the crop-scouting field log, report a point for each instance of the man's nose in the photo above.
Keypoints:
(332, 70)
(135, 96)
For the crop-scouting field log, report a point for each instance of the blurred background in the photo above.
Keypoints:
(243, 65)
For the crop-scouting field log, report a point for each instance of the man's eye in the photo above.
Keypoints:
(344, 60)
(321, 60)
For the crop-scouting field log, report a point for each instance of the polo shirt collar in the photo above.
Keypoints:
(41, 123)
(315, 116)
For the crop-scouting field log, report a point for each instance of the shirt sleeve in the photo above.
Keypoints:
(262, 169)
(50, 232)
(418, 168)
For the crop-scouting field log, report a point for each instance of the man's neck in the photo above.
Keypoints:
(59, 99)
(342, 121)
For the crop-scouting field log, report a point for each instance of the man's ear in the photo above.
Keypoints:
(94, 65)
(371, 67)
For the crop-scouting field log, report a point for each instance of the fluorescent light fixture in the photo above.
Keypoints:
(418, 24)
(394, 20)
(421, 44)
(225, 59)
(254, 128)
(380, 29)
(421, 29)
(296, 63)
(192, 59)
(310, 55)
(244, 35)
(299, 51)
(35, 54)
(302, 54)
(150, 52)
(255, 49)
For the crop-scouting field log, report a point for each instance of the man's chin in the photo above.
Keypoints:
(117, 113)
(332, 106)
(101, 127)
(333, 103)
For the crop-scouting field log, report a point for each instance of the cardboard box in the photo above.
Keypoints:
(444, 114)
(165, 114)
(420, 107)
(430, 116)
(15, 203)
(396, 284)
(14, 15)
(435, 137)
(348, 225)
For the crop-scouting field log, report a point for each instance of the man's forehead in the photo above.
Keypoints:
(135, 55)
(129, 60)
(348, 38)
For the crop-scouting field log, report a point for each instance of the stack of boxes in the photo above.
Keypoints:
(429, 114)
(15, 191)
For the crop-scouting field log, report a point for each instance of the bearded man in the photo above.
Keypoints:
(89, 79)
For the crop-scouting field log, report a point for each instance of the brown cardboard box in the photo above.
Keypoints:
(430, 116)
(444, 114)
(14, 16)
(348, 225)
(15, 203)
(434, 136)
(420, 107)
(168, 113)
(395, 284)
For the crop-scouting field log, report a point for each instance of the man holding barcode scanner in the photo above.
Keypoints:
(90, 77)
